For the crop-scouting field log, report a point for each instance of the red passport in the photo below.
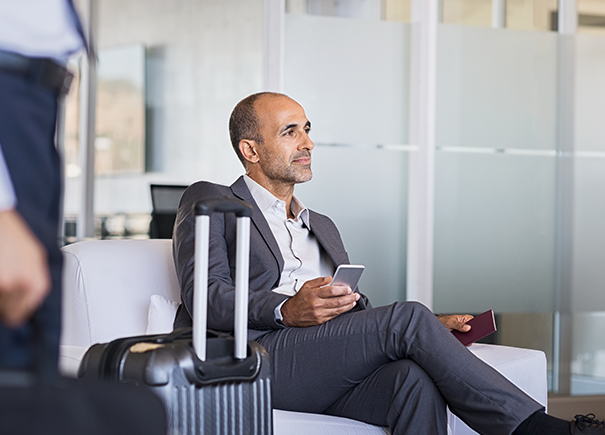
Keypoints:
(481, 326)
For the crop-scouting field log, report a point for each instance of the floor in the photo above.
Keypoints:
(567, 406)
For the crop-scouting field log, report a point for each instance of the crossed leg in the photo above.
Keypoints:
(337, 368)
(401, 392)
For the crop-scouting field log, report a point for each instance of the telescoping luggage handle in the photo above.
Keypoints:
(203, 210)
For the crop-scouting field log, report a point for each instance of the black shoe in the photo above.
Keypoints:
(587, 425)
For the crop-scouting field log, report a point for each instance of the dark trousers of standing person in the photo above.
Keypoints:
(394, 366)
(28, 110)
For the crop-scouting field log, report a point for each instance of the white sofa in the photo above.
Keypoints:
(118, 288)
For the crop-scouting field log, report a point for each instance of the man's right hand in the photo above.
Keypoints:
(317, 302)
(24, 275)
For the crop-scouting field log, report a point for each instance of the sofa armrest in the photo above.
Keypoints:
(526, 368)
(69, 359)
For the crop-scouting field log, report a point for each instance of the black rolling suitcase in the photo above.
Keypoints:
(211, 383)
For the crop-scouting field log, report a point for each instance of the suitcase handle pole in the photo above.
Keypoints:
(242, 266)
(203, 210)
(200, 280)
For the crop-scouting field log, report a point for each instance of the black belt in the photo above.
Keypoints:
(43, 71)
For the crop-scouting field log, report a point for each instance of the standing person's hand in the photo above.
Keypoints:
(24, 275)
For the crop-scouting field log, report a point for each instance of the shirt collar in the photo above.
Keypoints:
(265, 200)
(300, 211)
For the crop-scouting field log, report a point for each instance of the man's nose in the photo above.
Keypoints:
(307, 143)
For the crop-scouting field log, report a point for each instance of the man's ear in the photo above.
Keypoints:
(248, 148)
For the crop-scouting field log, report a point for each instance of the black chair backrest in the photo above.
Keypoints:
(165, 202)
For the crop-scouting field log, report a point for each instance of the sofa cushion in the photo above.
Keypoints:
(161, 315)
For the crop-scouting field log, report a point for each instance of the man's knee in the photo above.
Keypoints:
(406, 314)
(413, 308)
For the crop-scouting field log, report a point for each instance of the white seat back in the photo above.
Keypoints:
(107, 285)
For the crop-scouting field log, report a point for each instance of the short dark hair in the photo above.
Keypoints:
(244, 122)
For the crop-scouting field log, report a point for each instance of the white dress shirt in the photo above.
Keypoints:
(7, 195)
(39, 28)
(34, 28)
(304, 259)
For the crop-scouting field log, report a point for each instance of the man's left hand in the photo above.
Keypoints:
(456, 322)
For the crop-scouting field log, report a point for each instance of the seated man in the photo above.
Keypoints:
(394, 366)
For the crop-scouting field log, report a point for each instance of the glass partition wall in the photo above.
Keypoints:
(496, 179)
(519, 148)
(516, 198)
(360, 133)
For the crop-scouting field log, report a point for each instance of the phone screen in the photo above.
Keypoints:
(347, 274)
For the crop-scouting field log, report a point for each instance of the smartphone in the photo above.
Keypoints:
(347, 274)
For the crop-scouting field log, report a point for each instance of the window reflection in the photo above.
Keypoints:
(120, 125)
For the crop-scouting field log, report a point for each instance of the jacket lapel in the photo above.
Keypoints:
(240, 190)
(329, 240)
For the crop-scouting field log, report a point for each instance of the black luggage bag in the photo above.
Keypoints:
(211, 383)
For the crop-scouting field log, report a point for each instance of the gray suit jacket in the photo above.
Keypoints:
(266, 262)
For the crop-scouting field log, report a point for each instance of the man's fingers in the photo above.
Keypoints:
(338, 305)
(331, 291)
(24, 276)
(18, 305)
(463, 327)
(316, 283)
(16, 309)
(335, 309)
(456, 322)
(339, 301)
(20, 299)
(315, 304)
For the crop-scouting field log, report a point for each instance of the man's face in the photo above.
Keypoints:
(285, 154)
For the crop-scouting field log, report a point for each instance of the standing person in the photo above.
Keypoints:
(395, 366)
(36, 39)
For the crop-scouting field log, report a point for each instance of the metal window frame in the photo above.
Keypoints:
(87, 121)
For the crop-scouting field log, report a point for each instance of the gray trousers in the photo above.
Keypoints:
(394, 366)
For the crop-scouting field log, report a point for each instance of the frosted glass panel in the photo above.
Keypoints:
(351, 76)
(496, 88)
(494, 233)
(589, 175)
(590, 92)
(588, 363)
(495, 202)
(589, 235)
(365, 192)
